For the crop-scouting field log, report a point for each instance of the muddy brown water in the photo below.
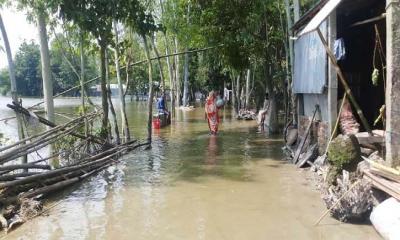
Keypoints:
(191, 186)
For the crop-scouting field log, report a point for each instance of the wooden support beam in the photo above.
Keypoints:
(370, 20)
(342, 79)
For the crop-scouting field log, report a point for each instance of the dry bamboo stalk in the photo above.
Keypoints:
(383, 185)
(24, 166)
(37, 135)
(17, 175)
(344, 83)
(382, 167)
(64, 169)
(51, 124)
(33, 146)
(61, 184)
(60, 177)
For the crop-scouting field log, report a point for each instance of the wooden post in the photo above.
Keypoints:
(393, 83)
(332, 76)
(344, 82)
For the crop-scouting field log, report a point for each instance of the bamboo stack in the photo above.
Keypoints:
(384, 178)
(34, 180)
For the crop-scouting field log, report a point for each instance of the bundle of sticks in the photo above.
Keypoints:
(383, 178)
(34, 180)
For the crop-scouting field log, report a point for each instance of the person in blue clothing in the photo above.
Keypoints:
(161, 104)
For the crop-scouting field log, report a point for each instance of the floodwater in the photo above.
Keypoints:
(192, 186)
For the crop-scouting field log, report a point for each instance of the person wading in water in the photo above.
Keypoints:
(211, 113)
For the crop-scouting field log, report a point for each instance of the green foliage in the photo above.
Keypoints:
(4, 81)
(27, 70)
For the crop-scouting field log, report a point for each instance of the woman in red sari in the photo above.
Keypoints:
(212, 113)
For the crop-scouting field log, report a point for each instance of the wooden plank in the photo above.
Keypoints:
(301, 145)
(311, 152)
(387, 175)
(387, 186)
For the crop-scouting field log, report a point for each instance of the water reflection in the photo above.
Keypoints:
(191, 186)
(212, 150)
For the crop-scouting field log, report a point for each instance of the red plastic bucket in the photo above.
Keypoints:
(156, 123)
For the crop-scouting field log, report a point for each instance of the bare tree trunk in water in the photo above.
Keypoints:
(150, 100)
(13, 81)
(233, 93)
(124, 124)
(170, 68)
(246, 103)
(177, 75)
(114, 116)
(171, 77)
(272, 120)
(238, 94)
(104, 100)
(82, 81)
(159, 64)
(185, 98)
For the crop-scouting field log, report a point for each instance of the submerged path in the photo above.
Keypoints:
(194, 186)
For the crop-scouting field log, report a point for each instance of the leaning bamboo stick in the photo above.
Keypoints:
(24, 166)
(344, 83)
(17, 175)
(337, 202)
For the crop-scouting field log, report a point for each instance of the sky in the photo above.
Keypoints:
(18, 29)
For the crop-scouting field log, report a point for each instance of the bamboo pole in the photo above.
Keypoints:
(97, 159)
(344, 83)
(51, 124)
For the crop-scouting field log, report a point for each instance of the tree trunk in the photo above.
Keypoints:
(46, 70)
(104, 100)
(296, 8)
(170, 67)
(150, 100)
(171, 77)
(185, 98)
(272, 120)
(124, 124)
(13, 81)
(177, 75)
(112, 110)
(238, 94)
(82, 78)
(233, 93)
(291, 60)
(159, 64)
(246, 103)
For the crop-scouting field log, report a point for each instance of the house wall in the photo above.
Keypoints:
(393, 83)
(311, 84)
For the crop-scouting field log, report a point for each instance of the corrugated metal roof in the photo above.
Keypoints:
(325, 11)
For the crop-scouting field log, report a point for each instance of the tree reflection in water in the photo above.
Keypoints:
(212, 149)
